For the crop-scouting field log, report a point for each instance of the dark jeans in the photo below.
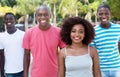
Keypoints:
(19, 74)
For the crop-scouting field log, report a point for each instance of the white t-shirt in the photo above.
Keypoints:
(12, 45)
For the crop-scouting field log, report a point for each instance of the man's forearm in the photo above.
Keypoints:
(26, 62)
(2, 62)
(119, 47)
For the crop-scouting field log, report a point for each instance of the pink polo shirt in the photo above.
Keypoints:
(44, 48)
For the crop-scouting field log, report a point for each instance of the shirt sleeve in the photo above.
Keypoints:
(62, 44)
(26, 40)
(1, 44)
(92, 44)
(119, 39)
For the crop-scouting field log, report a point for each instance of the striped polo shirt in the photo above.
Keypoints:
(106, 42)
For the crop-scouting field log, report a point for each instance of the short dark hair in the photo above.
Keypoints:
(9, 13)
(67, 26)
(103, 6)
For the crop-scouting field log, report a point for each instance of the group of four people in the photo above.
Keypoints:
(76, 58)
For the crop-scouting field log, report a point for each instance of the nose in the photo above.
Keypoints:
(42, 16)
(103, 16)
(7, 20)
(77, 33)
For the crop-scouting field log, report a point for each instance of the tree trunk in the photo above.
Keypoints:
(54, 14)
(76, 10)
(34, 18)
(26, 22)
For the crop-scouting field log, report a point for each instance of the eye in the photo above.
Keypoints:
(40, 15)
(100, 13)
(81, 31)
(45, 15)
(106, 13)
(73, 31)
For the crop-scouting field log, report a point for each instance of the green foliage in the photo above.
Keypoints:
(1, 21)
(25, 7)
(64, 8)
(10, 3)
(115, 8)
(94, 6)
(5, 9)
(1, 24)
(68, 7)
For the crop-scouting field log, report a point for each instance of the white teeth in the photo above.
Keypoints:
(43, 21)
(9, 23)
(76, 38)
(104, 19)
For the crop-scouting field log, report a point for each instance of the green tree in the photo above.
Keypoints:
(26, 7)
(3, 10)
(53, 7)
(115, 7)
(9, 3)
(69, 7)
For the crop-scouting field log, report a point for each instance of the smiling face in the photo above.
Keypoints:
(9, 21)
(43, 17)
(77, 33)
(104, 15)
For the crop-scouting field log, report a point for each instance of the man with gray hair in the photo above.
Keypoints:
(42, 41)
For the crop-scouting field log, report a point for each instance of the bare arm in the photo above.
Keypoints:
(2, 62)
(26, 62)
(61, 64)
(119, 47)
(96, 66)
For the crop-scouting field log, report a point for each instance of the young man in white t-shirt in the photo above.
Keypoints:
(11, 45)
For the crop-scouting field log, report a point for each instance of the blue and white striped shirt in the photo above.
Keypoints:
(106, 42)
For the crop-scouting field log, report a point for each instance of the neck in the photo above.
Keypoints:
(77, 45)
(11, 30)
(105, 25)
(45, 27)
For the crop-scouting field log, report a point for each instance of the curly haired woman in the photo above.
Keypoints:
(78, 59)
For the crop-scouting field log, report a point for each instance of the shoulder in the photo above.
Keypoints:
(115, 25)
(22, 32)
(93, 51)
(97, 27)
(55, 28)
(30, 30)
(62, 52)
(3, 34)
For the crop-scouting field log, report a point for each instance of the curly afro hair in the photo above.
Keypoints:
(67, 26)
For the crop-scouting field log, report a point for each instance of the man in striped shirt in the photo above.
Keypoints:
(107, 40)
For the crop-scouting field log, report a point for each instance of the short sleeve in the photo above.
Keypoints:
(26, 40)
(92, 43)
(61, 44)
(119, 39)
(1, 44)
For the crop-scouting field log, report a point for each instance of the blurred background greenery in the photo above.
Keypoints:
(24, 10)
